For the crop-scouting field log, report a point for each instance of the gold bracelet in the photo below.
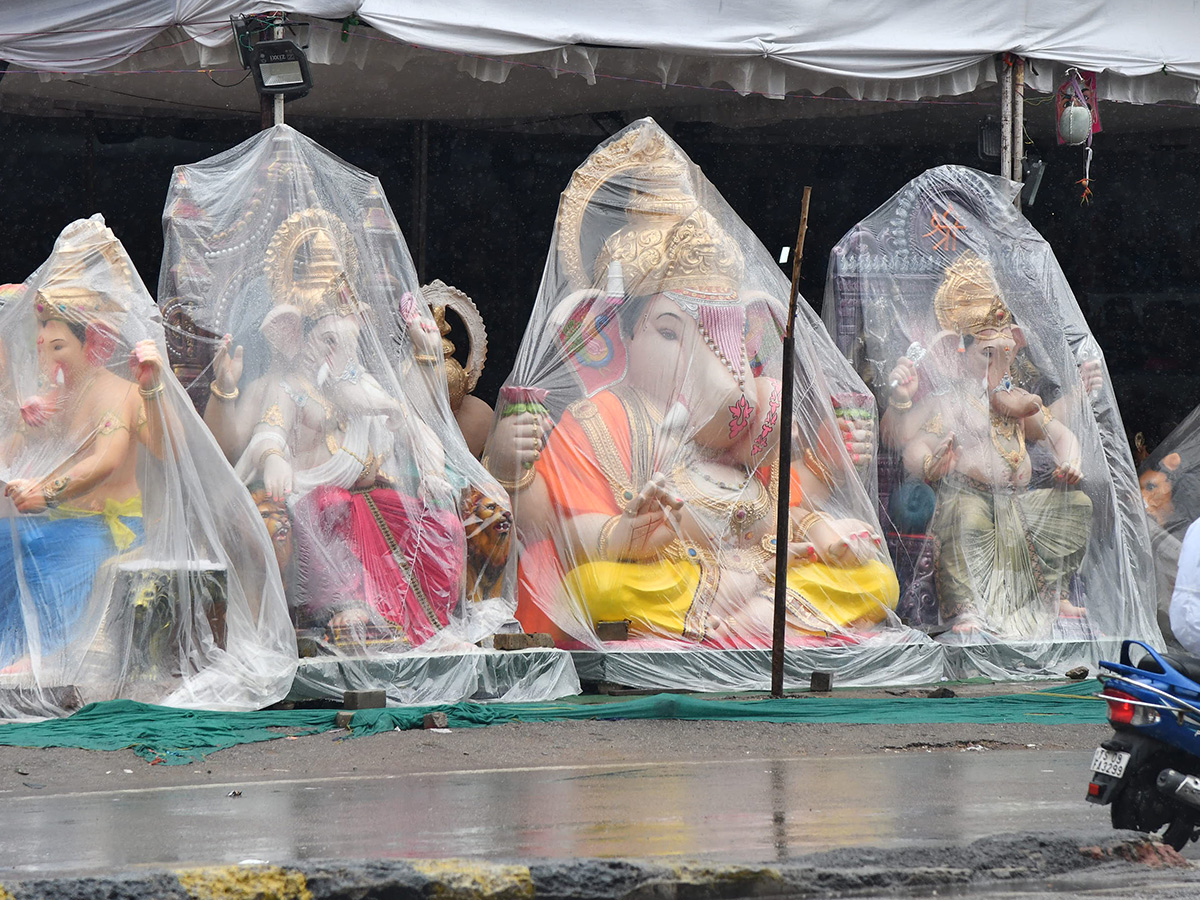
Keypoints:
(221, 395)
(52, 491)
(907, 404)
(808, 522)
(520, 484)
(606, 531)
(153, 392)
(271, 451)
(425, 359)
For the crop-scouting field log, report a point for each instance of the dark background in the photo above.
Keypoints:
(1130, 255)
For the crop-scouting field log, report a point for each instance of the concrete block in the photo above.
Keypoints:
(820, 682)
(522, 641)
(364, 699)
(613, 631)
(343, 718)
(435, 720)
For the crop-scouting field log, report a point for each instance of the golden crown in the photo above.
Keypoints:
(968, 300)
(644, 164)
(693, 254)
(88, 273)
(312, 263)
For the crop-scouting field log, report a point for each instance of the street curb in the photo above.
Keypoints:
(1012, 859)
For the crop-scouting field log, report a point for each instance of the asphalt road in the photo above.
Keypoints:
(741, 792)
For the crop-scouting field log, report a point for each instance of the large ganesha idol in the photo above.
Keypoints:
(639, 432)
(998, 411)
(328, 394)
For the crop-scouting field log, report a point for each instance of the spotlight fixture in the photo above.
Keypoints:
(279, 66)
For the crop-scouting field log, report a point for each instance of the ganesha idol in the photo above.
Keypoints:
(653, 500)
(1007, 550)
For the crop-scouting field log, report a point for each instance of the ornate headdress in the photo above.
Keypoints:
(968, 300)
(87, 274)
(312, 264)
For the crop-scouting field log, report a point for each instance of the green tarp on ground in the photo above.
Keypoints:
(176, 737)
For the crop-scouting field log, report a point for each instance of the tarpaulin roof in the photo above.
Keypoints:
(874, 49)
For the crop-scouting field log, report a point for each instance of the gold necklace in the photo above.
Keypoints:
(1007, 428)
(740, 513)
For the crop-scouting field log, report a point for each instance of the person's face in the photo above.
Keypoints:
(334, 340)
(990, 359)
(1156, 494)
(59, 350)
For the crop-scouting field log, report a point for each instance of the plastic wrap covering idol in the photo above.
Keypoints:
(1008, 482)
(329, 396)
(131, 563)
(1170, 481)
(639, 434)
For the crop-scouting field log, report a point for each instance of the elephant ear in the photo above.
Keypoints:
(283, 327)
(945, 347)
(1018, 334)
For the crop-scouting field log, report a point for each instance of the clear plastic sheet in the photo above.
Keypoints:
(1007, 484)
(1170, 482)
(638, 431)
(330, 399)
(131, 563)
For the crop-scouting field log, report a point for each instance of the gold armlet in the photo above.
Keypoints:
(153, 392)
(220, 394)
(606, 530)
(805, 524)
(426, 359)
(273, 416)
(907, 404)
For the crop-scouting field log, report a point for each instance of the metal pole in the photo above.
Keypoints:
(1006, 109)
(278, 104)
(1018, 125)
(783, 513)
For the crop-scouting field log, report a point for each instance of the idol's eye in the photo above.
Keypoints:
(668, 334)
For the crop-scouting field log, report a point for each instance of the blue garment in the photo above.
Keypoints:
(60, 559)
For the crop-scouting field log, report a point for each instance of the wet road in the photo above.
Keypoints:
(743, 810)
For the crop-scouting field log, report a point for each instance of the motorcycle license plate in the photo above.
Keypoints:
(1109, 762)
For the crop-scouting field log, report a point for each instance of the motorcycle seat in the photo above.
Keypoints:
(1188, 666)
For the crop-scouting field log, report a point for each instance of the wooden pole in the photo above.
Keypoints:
(1006, 111)
(783, 515)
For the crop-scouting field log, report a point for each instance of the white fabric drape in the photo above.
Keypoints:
(871, 49)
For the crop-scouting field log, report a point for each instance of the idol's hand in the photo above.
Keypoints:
(859, 437)
(277, 476)
(942, 460)
(1091, 374)
(648, 524)
(516, 443)
(801, 552)
(844, 542)
(227, 366)
(1069, 472)
(26, 495)
(425, 337)
(146, 364)
(903, 381)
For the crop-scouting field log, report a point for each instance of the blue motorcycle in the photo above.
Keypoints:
(1149, 770)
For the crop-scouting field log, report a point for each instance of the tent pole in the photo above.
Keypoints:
(783, 518)
(1018, 122)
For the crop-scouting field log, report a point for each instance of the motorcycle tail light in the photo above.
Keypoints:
(1123, 710)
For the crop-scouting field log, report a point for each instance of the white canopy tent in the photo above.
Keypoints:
(871, 49)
